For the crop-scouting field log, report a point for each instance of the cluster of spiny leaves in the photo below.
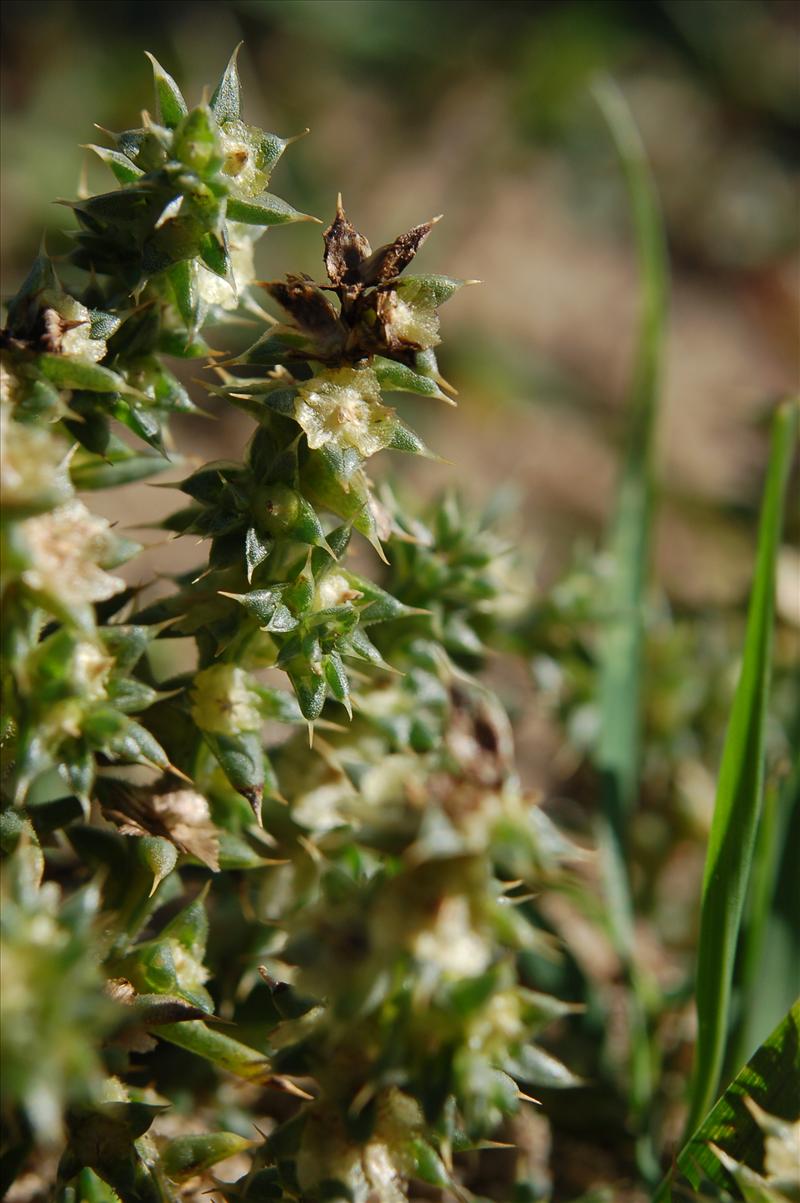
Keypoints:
(689, 676)
(168, 250)
(351, 906)
(157, 251)
(779, 1179)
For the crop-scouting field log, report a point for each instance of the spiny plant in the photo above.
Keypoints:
(779, 1181)
(348, 909)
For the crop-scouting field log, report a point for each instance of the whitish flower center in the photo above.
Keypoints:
(342, 406)
(451, 944)
(335, 590)
(65, 549)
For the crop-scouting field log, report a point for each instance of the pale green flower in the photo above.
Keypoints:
(342, 406)
(33, 461)
(223, 702)
(450, 944)
(246, 160)
(410, 319)
(89, 671)
(191, 973)
(10, 388)
(374, 1172)
(335, 590)
(498, 1025)
(52, 1008)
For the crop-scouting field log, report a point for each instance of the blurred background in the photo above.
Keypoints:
(481, 110)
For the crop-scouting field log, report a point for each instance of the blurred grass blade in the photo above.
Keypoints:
(770, 1078)
(620, 652)
(629, 539)
(739, 790)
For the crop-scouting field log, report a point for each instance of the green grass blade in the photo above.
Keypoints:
(617, 754)
(739, 790)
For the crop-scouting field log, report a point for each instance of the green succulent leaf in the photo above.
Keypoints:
(141, 421)
(226, 101)
(170, 105)
(213, 250)
(185, 1156)
(261, 603)
(264, 210)
(125, 171)
(536, 1067)
(196, 1037)
(337, 679)
(429, 290)
(183, 278)
(119, 465)
(401, 378)
(311, 690)
(427, 1164)
(403, 438)
(67, 371)
(257, 549)
(123, 739)
(130, 696)
(241, 758)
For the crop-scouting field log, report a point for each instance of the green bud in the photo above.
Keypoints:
(197, 141)
(158, 856)
(281, 512)
(276, 508)
(119, 466)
